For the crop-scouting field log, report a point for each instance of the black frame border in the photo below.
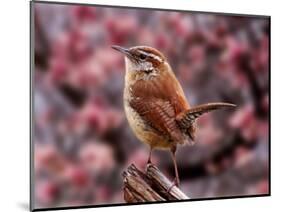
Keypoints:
(31, 112)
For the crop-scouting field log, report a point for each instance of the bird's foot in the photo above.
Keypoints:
(174, 183)
(148, 164)
(148, 161)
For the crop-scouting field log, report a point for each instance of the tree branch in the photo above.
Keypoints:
(149, 186)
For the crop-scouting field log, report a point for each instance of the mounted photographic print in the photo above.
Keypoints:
(138, 105)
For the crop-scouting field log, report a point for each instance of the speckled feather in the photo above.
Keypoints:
(158, 104)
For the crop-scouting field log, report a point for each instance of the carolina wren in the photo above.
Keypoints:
(155, 104)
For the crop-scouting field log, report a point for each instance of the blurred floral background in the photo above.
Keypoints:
(82, 140)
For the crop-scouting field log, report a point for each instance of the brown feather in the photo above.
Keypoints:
(187, 118)
(158, 104)
(156, 96)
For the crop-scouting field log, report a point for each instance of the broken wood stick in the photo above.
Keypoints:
(149, 186)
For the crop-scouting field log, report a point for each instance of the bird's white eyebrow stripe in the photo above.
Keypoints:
(151, 55)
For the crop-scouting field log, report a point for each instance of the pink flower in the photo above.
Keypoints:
(242, 156)
(245, 120)
(47, 158)
(47, 192)
(100, 117)
(77, 176)
(97, 157)
(84, 13)
(262, 187)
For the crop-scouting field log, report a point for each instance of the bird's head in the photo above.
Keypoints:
(142, 60)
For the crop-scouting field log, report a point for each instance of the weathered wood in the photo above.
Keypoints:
(149, 186)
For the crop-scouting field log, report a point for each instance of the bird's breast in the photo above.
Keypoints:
(141, 128)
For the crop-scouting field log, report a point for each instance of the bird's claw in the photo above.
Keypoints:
(174, 183)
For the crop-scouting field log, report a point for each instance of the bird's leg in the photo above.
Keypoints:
(176, 181)
(149, 157)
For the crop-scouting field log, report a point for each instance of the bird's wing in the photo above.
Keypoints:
(187, 118)
(158, 101)
(160, 115)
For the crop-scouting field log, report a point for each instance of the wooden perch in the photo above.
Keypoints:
(149, 186)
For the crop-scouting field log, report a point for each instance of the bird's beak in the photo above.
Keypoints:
(122, 50)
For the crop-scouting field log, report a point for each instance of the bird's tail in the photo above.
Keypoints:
(187, 118)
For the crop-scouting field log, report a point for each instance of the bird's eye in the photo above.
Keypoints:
(142, 56)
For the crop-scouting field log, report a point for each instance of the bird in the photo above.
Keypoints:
(155, 104)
